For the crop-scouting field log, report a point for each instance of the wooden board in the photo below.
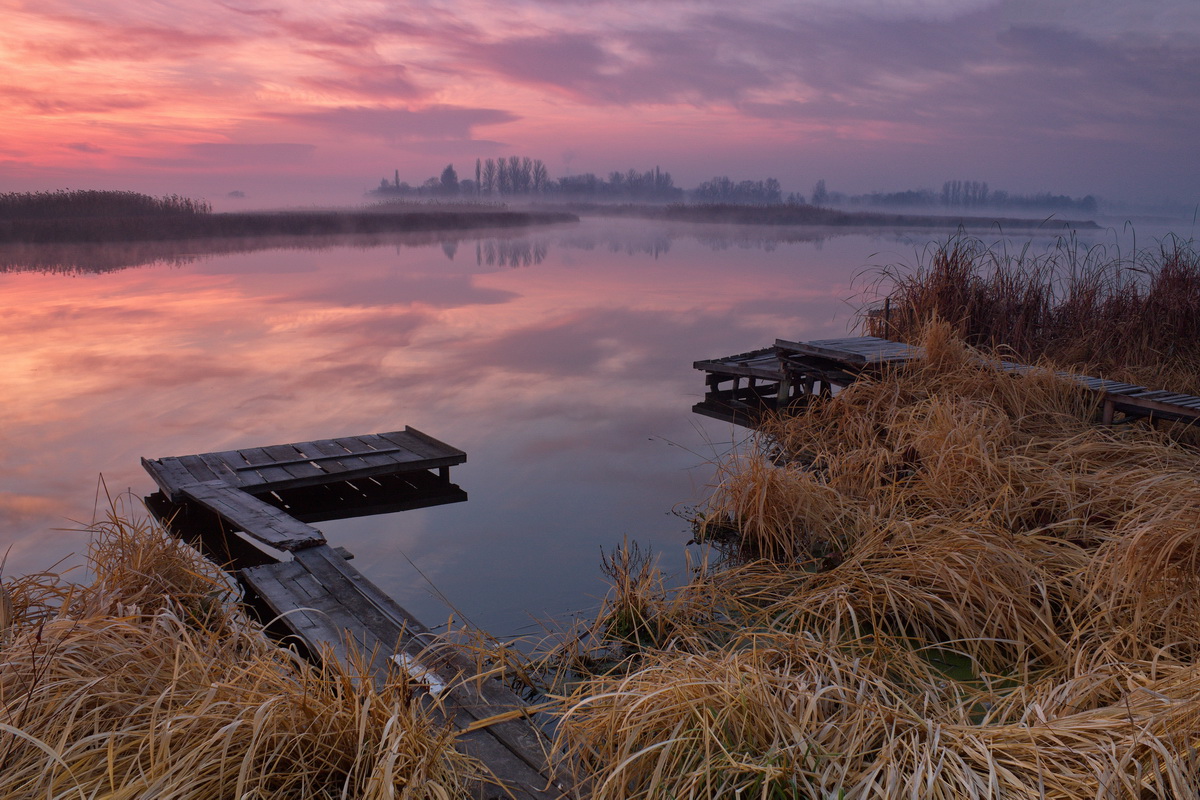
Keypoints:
(788, 359)
(252, 516)
(333, 608)
(856, 351)
(299, 464)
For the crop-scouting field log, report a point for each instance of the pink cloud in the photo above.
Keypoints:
(401, 124)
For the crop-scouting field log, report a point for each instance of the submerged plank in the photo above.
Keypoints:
(325, 601)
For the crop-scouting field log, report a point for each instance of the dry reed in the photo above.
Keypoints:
(1128, 316)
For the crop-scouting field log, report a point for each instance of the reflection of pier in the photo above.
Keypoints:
(318, 601)
(787, 376)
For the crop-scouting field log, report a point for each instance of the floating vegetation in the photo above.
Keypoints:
(954, 586)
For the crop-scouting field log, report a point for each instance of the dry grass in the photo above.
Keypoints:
(149, 683)
(955, 586)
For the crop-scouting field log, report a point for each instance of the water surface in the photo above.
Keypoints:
(558, 358)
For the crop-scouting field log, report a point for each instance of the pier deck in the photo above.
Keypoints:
(319, 602)
(742, 388)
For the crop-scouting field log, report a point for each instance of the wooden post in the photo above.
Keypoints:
(1107, 416)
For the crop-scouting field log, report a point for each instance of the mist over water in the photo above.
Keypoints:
(558, 358)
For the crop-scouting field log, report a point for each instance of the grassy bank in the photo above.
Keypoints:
(817, 216)
(956, 586)
(148, 683)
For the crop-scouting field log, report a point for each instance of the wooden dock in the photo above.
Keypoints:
(786, 376)
(229, 503)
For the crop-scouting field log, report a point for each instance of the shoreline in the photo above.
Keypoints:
(244, 224)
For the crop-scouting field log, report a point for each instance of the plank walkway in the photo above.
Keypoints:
(743, 387)
(317, 600)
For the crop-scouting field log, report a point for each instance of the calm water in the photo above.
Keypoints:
(559, 359)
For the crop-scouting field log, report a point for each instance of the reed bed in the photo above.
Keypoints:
(954, 585)
(149, 683)
(1129, 316)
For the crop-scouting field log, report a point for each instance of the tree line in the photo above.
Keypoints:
(522, 176)
(962, 194)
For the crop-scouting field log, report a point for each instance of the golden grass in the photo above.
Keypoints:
(955, 585)
(149, 683)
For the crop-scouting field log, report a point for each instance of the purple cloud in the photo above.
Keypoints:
(399, 124)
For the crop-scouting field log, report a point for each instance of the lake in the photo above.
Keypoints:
(558, 358)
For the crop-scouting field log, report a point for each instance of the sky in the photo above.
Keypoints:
(292, 102)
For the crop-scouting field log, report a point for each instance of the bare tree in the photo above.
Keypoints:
(541, 176)
(503, 176)
(488, 179)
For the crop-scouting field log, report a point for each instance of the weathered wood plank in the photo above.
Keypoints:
(378, 626)
(255, 518)
(169, 474)
(410, 437)
(200, 471)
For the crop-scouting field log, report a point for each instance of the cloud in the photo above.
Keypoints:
(381, 82)
(235, 154)
(436, 291)
(399, 124)
(85, 147)
(636, 67)
(261, 153)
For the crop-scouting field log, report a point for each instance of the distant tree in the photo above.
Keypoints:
(772, 192)
(541, 176)
(488, 178)
(526, 175)
(820, 195)
(503, 178)
(723, 190)
(477, 183)
(449, 181)
(514, 174)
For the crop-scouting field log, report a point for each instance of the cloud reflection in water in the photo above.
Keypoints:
(559, 359)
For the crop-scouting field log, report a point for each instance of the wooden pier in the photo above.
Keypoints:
(227, 504)
(786, 376)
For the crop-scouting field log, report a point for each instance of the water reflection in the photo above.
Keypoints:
(568, 382)
(500, 247)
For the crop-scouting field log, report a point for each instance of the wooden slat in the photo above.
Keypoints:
(410, 436)
(169, 474)
(199, 471)
(513, 749)
(252, 516)
(868, 350)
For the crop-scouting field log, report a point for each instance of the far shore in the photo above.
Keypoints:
(162, 227)
(822, 216)
(451, 217)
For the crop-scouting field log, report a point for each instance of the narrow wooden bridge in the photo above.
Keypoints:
(742, 388)
(227, 504)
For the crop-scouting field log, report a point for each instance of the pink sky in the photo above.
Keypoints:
(300, 102)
